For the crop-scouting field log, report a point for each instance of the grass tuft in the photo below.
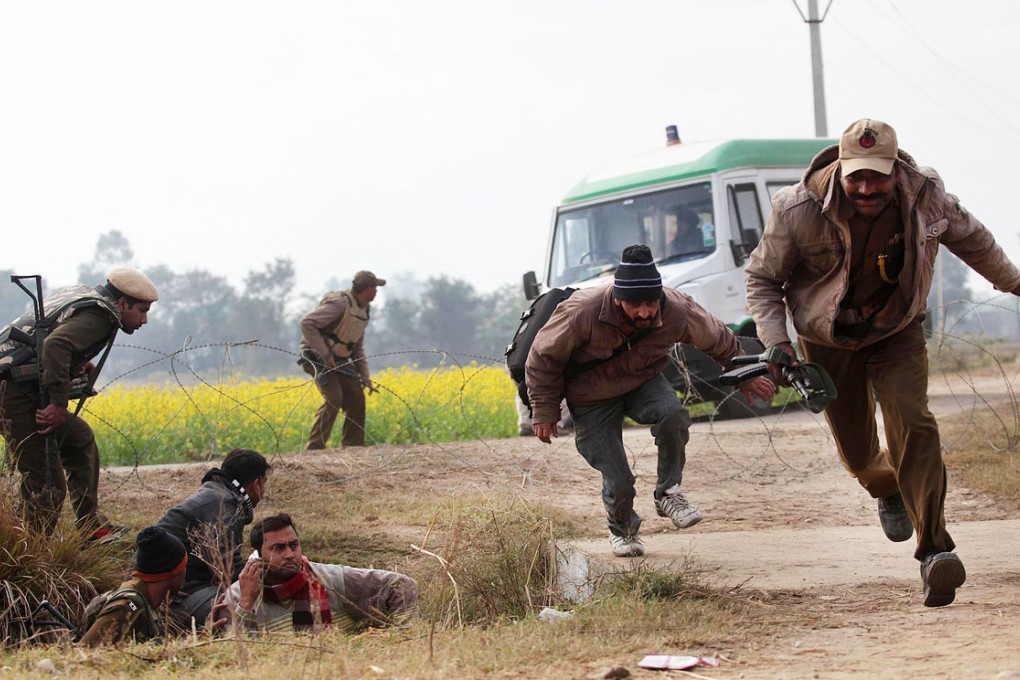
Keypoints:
(34, 567)
(493, 562)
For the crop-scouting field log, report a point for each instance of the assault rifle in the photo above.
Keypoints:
(40, 330)
(810, 380)
(320, 370)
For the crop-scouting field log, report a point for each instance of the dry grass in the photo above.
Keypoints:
(983, 452)
(480, 553)
(34, 568)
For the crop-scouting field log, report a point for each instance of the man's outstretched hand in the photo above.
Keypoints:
(545, 431)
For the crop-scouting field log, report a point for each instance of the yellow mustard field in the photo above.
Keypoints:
(170, 423)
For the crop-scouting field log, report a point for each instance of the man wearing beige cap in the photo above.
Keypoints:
(48, 441)
(333, 352)
(850, 251)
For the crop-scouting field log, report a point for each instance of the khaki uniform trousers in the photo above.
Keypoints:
(895, 370)
(75, 455)
(339, 392)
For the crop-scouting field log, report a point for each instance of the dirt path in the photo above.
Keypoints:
(786, 524)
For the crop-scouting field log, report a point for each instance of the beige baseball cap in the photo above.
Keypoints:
(134, 284)
(868, 145)
(365, 279)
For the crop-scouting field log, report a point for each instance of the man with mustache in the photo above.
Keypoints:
(850, 251)
(280, 590)
(604, 349)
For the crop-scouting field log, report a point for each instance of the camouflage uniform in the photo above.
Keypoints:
(84, 326)
(127, 616)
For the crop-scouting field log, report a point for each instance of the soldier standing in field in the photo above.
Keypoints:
(84, 321)
(333, 352)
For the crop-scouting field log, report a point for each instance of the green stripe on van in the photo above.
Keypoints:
(729, 155)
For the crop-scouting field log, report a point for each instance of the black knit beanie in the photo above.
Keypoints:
(158, 552)
(637, 279)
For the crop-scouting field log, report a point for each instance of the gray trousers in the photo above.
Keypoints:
(599, 438)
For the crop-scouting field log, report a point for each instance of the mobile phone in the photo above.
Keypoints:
(254, 555)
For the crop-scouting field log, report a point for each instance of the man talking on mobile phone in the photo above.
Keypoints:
(280, 590)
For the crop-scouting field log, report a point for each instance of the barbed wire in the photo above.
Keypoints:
(761, 455)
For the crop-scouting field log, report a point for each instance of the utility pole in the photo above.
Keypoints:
(814, 23)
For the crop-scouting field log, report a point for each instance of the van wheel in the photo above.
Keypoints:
(736, 406)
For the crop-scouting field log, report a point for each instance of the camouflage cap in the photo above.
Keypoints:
(133, 283)
(364, 279)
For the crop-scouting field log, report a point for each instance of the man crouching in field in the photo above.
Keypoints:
(282, 590)
(604, 349)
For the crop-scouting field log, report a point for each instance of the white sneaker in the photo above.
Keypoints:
(626, 546)
(676, 506)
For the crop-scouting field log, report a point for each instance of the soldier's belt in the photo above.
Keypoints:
(25, 372)
(29, 373)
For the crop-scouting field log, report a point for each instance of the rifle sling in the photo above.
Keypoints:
(95, 374)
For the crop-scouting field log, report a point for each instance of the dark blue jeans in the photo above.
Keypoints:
(599, 438)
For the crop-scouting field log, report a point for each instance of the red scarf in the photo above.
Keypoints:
(308, 595)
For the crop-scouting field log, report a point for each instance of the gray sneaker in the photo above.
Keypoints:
(676, 506)
(626, 546)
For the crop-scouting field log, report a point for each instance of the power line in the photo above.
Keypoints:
(956, 72)
(949, 65)
(912, 84)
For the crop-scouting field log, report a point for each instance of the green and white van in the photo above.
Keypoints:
(701, 207)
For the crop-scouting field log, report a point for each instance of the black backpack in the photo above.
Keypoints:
(532, 320)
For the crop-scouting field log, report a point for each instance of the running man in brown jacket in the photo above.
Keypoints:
(604, 349)
(850, 251)
(333, 352)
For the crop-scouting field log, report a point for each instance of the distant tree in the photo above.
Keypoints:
(956, 292)
(112, 250)
(394, 335)
(450, 315)
(503, 315)
(261, 314)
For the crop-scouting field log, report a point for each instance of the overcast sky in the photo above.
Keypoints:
(436, 137)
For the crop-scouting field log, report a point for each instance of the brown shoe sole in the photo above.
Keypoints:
(944, 575)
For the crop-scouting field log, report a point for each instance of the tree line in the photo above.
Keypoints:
(213, 329)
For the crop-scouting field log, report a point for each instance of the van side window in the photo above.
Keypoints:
(745, 213)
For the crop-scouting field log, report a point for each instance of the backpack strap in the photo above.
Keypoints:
(574, 369)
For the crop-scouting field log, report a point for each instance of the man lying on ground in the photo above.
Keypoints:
(279, 589)
(129, 612)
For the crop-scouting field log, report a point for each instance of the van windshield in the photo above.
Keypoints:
(677, 224)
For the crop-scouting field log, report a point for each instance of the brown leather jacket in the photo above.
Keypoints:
(588, 326)
(803, 260)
